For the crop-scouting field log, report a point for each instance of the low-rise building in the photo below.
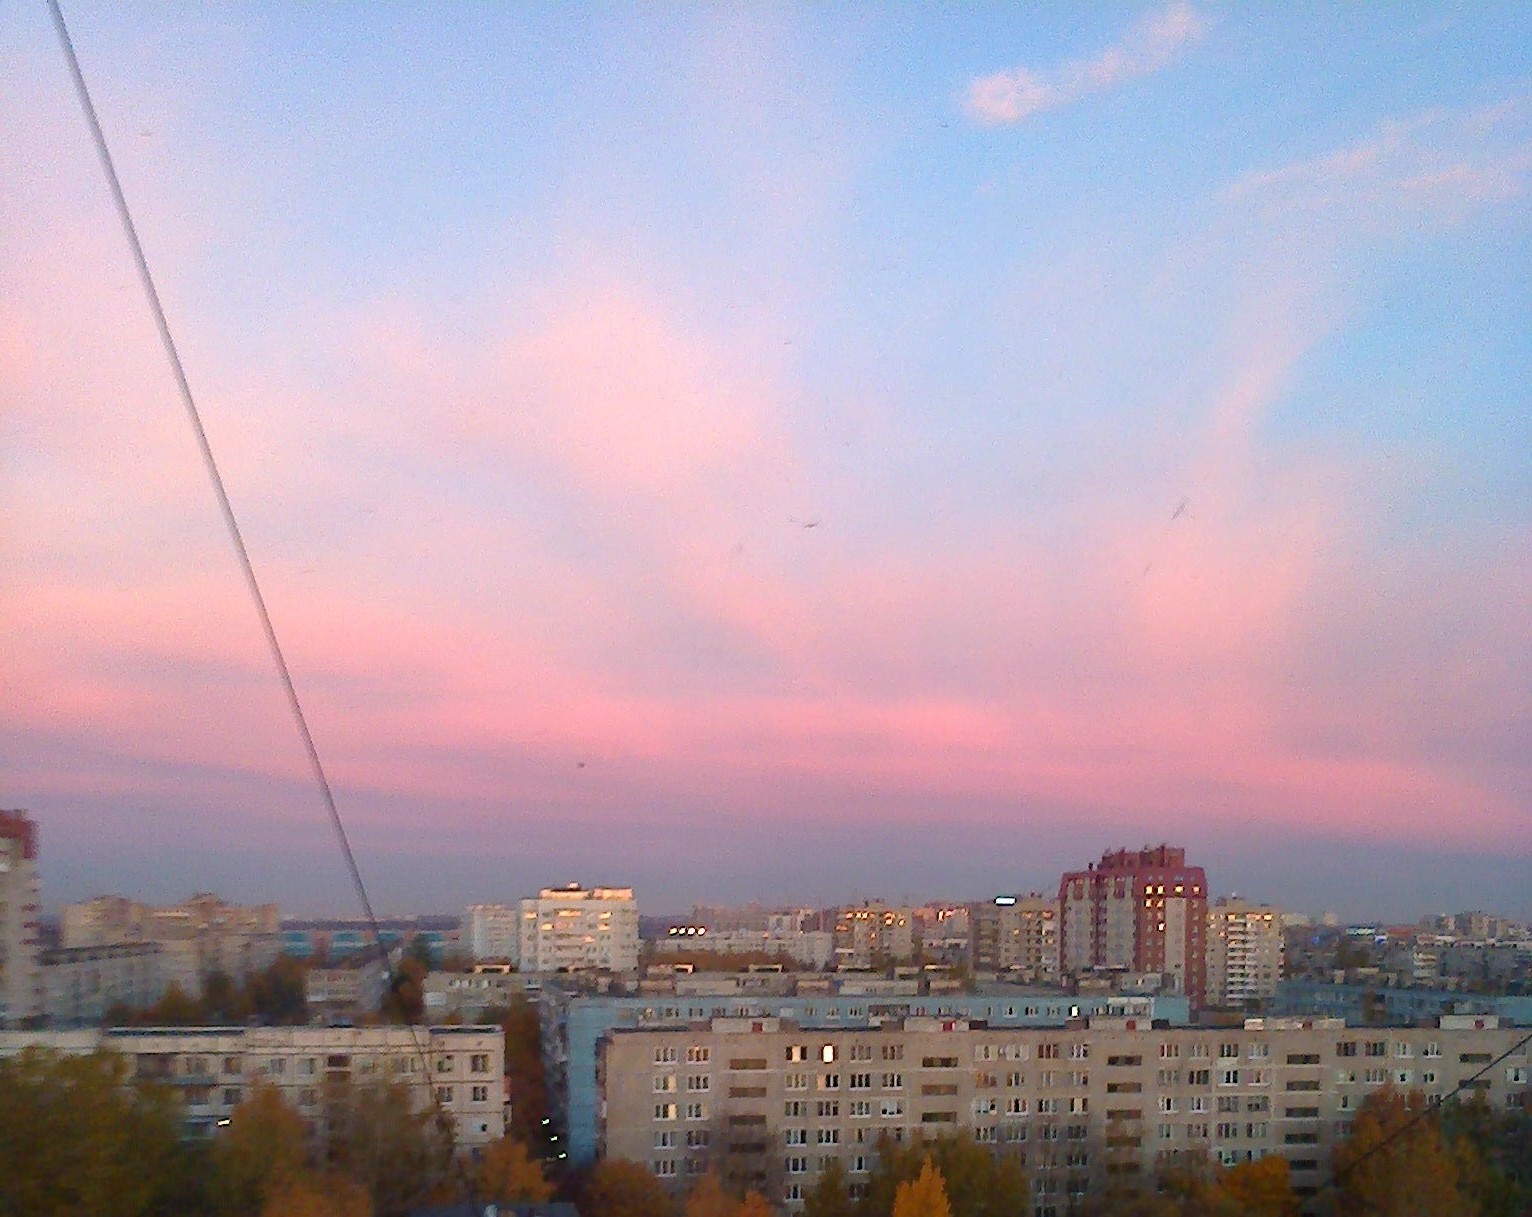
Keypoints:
(212, 1069)
(472, 995)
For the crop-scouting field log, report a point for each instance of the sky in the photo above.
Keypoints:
(778, 452)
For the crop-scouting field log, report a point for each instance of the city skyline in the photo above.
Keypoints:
(775, 453)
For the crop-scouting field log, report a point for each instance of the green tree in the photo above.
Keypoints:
(1494, 1155)
(923, 1196)
(1395, 1162)
(507, 1174)
(275, 995)
(264, 1147)
(616, 1187)
(80, 1140)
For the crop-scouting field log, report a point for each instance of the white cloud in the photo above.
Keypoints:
(1439, 165)
(1003, 98)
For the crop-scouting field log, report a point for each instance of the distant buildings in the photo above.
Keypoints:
(1138, 910)
(874, 935)
(812, 949)
(21, 981)
(83, 983)
(1016, 935)
(1244, 952)
(196, 938)
(567, 929)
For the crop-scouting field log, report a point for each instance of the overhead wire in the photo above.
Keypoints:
(236, 536)
(1424, 1114)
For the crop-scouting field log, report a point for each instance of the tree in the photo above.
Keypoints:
(977, 1183)
(311, 1195)
(709, 1199)
(80, 1138)
(1262, 1188)
(1494, 1155)
(405, 1000)
(399, 1154)
(507, 1174)
(524, 1068)
(1395, 1163)
(923, 1196)
(616, 1187)
(829, 1197)
(264, 1148)
(755, 1205)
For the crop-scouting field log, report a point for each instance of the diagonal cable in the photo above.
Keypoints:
(252, 584)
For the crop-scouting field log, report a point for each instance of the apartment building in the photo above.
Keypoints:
(576, 1023)
(197, 937)
(1244, 952)
(1139, 910)
(568, 929)
(1017, 935)
(872, 934)
(489, 932)
(82, 983)
(812, 949)
(21, 983)
(352, 988)
(212, 1069)
(770, 1103)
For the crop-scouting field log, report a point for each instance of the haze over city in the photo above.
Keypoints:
(775, 453)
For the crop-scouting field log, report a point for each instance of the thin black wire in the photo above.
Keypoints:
(1425, 1113)
(210, 462)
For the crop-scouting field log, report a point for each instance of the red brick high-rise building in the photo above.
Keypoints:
(1141, 910)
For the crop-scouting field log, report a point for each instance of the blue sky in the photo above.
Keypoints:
(967, 441)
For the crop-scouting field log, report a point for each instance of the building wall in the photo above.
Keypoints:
(574, 929)
(770, 1103)
(868, 935)
(212, 1069)
(574, 1024)
(1017, 934)
(490, 932)
(1244, 948)
(21, 983)
(83, 983)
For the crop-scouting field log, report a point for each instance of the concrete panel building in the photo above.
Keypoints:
(1017, 935)
(82, 983)
(21, 984)
(212, 1069)
(1140, 911)
(570, 929)
(1244, 952)
(770, 1103)
(873, 935)
(490, 932)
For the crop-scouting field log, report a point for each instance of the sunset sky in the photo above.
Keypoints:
(774, 452)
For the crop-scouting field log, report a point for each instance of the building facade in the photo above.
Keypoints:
(1017, 935)
(489, 932)
(872, 935)
(212, 1069)
(813, 949)
(21, 983)
(82, 984)
(1140, 911)
(1244, 952)
(197, 937)
(770, 1104)
(575, 1024)
(571, 929)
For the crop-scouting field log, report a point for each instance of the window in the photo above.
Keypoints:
(697, 1138)
(664, 1111)
(664, 1056)
(231, 1096)
(664, 1083)
(827, 1136)
(1169, 1052)
(893, 1052)
(478, 1063)
(479, 1094)
(795, 1136)
(1229, 1077)
(795, 1109)
(861, 1052)
(696, 1111)
(697, 1081)
(1228, 1052)
(893, 1081)
(664, 1140)
(827, 1109)
(892, 1108)
(795, 1081)
(797, 1052)
(827, 1054)
(861, 1107)
(698, 1055)
(861, 1081)
(829, 1081)
(797, 1165)
(443, 1096)
(663, 1168)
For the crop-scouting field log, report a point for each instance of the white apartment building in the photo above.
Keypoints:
(1017, 935)
(489, 932)
(769, 1103)
(21, 983)
(812, 949)
(83, 983)
(570, 929)
(212, 1069)
(873, 934)
(1244, 946)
